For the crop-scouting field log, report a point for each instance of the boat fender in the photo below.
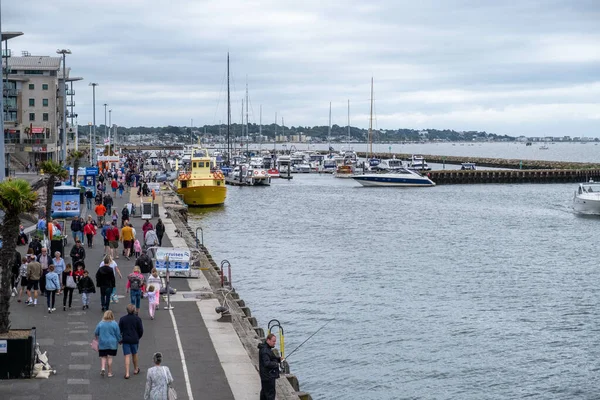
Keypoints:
(255, 172)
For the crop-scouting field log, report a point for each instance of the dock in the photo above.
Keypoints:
(450, 177)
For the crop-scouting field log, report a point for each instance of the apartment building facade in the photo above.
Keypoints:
(33, 107)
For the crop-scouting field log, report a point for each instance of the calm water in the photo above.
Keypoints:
(588, 152)
(452, 292)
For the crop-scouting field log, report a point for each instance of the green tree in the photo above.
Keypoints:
(55, 172)
(74, 158)
(16, 197)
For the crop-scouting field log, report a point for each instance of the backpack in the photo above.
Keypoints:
(125, 213)
(135, 283)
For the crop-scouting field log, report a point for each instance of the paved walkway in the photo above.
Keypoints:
(66, 335)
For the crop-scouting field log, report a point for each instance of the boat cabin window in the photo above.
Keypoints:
(194, 165)
(201, 164)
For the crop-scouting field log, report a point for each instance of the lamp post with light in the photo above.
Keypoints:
(63, 135)
(93, 141)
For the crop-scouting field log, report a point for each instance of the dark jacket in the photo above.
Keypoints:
(77, 253)
(108, 201)
(145, 263)
(89, 194)
(76, 226)
(86, 285)
(160, 229)
(36, 245)
(131, 328)
(16, 264)
(268, 362)
(105, 277)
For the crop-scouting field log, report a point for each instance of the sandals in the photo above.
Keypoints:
(136, 372)
(102, 372)
(110, 375)
(126, 376)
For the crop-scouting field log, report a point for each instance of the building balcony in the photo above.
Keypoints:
(10, 92)
(70, 92)
(6, 53)
(70, 104)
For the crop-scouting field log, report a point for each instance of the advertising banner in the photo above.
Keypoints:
(179, 259)
(65, 202)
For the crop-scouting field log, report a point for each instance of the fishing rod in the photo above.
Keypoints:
(292, 352)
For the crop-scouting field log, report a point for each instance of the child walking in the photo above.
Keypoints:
(23, 276)
(151, 294)
(137, 247)
(86, 288)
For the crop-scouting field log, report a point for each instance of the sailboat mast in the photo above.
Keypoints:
(371, 123)
(348, 120)
(247, 135)
(228, 115)
(329, 129)
(275, 137)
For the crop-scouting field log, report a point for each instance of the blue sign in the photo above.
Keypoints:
(65, 202)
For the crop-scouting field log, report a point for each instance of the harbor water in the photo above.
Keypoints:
(450, 292)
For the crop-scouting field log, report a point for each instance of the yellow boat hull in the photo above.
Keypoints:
(203, 195)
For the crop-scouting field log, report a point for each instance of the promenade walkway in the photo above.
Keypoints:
(66, 335)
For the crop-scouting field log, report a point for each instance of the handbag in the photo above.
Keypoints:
(71, 282)
(171, 393)
(94, 344)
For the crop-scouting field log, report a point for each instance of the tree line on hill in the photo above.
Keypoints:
(339, 133)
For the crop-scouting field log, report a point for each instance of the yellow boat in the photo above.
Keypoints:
(200, 184)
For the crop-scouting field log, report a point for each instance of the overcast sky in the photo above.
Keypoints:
(510, 67)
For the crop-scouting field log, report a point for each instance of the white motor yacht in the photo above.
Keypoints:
(418, 163)
(587, 198)
(400, 177)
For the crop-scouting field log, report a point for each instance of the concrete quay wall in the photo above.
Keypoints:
(240, 315)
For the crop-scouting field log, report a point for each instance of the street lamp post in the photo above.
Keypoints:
(90, 136)
(93, 140)
(63, 135)
(105, 126)
(109, 129)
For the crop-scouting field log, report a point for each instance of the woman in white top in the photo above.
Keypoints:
(154, 280)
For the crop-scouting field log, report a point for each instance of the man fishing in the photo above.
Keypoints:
(269, 367)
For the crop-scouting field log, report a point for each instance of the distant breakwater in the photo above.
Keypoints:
(492, 162)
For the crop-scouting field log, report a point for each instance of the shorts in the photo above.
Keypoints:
(113, 244)
(106, 242)
(23, 281)
(130, 348)
(107, 352)
(33, 284)
(128, 244)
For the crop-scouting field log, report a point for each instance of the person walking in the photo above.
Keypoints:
(105, 280)
(45, 260)
(52, 286)
(76, 229)
(158, 380)
(100, 212)
(128, 239)
(34, 274)
(108, 203)
(137, 247)
(114, 186)
(132, 331)
(269, 367)
(113, 264)
(135, 287)
(77, 252)
(160, 231)
(121, 189)
(69, 285)
(86, 288)
(147, 227)
(59, 266)
(145, 262)
(89, 195)
(108, 335)
(124, 215)
(112, 234)
(154, 280)
(89, 230)
(152, 295)
(23, 276)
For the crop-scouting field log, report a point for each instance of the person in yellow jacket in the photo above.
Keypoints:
(128, 239)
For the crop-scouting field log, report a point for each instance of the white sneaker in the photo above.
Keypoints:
(49, 310)
(54, 309)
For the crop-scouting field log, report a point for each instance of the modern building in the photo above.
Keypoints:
(33, 107)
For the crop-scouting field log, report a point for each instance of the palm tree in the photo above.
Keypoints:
(16, 197)
(55, 172)
(74, 158)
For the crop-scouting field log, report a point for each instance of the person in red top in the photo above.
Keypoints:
(100, 211)
(147, 227)
(114, 185)
(89, 230)
(113, 240)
